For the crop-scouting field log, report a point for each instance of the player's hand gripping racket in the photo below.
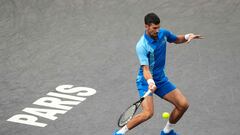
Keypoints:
(130, 111)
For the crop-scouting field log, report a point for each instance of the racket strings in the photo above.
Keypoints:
(127, 115)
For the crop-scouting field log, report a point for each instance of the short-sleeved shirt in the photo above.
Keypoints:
(152, 52)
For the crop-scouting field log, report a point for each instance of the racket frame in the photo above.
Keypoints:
(136, 104)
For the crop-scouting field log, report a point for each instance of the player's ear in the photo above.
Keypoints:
(147, 26)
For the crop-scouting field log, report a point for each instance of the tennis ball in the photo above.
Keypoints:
(165, 115)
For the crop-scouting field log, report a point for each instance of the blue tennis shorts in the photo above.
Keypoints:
(163, 88)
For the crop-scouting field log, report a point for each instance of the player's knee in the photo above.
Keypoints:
(147, 115)
(183, 106)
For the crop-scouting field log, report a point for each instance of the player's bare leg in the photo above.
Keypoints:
(180, 102)
(181, 105)
(147, 113)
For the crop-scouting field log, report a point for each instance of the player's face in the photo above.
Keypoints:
(152, 30)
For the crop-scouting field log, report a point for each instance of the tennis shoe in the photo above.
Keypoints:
(115, 133)
(172, 132)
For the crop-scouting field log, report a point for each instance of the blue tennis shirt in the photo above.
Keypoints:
(153, 53)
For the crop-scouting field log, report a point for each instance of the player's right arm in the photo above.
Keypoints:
(143, 59)
(148, 76)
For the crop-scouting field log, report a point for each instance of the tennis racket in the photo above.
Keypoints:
(130, 111)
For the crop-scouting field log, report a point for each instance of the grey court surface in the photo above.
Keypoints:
(91, 43)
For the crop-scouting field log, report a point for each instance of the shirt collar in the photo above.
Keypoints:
(149, 39)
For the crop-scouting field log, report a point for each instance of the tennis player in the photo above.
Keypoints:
(151, 52)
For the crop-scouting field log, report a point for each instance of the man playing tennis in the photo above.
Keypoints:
(151, 51)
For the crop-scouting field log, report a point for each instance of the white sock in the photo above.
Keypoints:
(168, 127)
(123, 130)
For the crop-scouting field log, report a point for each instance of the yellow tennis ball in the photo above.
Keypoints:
(165, 115)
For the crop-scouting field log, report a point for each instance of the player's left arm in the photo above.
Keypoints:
(187, 38)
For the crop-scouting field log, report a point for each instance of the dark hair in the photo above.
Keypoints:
(151, 18)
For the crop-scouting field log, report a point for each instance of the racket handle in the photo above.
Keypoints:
(147, 93)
